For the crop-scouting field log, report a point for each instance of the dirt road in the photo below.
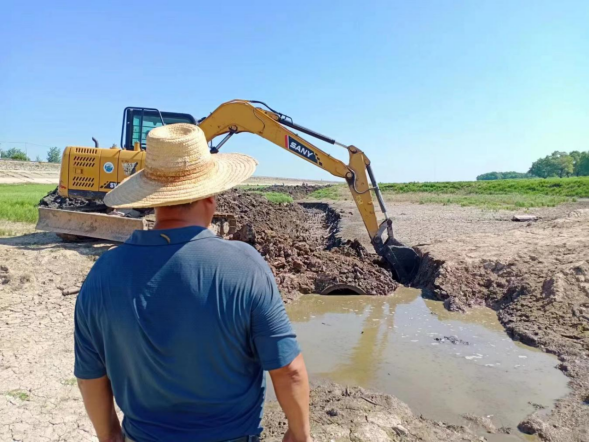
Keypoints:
(419, 224)
(40, 401)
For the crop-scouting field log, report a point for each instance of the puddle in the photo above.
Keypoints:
(389, 344)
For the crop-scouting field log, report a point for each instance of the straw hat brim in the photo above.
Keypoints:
(140, 192)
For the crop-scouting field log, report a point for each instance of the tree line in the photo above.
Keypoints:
(558, 164)
(53, 155)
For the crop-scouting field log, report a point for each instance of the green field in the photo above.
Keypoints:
(563, 187)
(500, 194)
(275, 197)
(18, 202)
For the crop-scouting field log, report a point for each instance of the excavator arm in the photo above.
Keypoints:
(242, 116)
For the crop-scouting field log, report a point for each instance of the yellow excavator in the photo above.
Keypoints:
(90, 172)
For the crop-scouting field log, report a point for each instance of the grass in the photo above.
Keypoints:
(492, 195)
(563, 187)
(276, 197)
(19, 394)
(18, 202)
(251, 187)
(330, 193)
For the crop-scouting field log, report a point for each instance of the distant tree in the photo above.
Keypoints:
(38, 159)
(576, 156)
(14, 154)
(54, 155)
(582, 166)
(543, 168)
(503, 176)
(558, 164)
(489, 176)
(564, 163)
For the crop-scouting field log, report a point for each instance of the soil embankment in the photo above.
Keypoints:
(296, 243)
(33, 172)
(354, 414)
(537, 279)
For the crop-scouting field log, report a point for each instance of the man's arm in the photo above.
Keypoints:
(291, 384)
(279, 353)
(98, 400)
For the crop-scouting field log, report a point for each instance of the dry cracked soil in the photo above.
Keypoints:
(535, 276)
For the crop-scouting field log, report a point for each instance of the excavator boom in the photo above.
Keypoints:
(108, 167)
(242, 116)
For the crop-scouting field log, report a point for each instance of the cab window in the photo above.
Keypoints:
(142, 121)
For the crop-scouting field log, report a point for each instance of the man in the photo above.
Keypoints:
(180, 325)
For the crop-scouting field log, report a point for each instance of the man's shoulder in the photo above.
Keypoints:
(228, 252)
(211, 251)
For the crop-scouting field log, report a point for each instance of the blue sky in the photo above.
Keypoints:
(430, 90)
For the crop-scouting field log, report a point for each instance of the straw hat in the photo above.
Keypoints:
(180, 169)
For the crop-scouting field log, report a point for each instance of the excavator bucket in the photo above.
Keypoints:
(88, 224)
(403, 260)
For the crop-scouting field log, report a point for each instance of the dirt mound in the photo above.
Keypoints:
(295, 243)
(6, 164)
(54, 201)
(353, 414)
(537, 278)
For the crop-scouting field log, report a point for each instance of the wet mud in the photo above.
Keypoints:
(296, 192)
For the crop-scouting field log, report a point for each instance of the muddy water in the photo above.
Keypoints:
(389, 344)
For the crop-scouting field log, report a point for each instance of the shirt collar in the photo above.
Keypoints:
(165, 237)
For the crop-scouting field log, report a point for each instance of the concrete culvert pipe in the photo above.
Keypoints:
(342, 289)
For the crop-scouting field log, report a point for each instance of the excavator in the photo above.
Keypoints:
(89, 173)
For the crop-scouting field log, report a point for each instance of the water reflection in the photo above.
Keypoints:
(389, 344)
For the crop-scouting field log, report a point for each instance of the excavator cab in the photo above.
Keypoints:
(138, 121)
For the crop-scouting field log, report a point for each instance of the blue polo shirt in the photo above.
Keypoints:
(184, 324)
